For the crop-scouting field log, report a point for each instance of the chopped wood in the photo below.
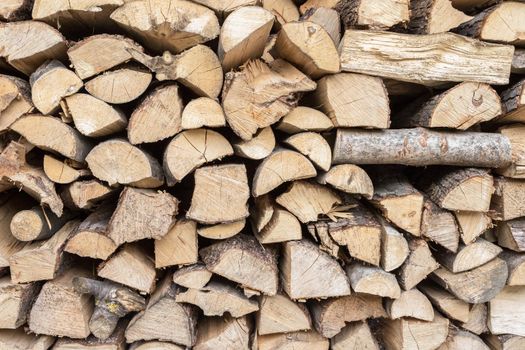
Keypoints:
(41, 260)
(114, 342)
(393, 55)
(377, 15)
(179, 246)
(283, 226)
(28, 44)
(193, 276)
(85, 194)
(518, 62)
(516, 265)
(35, 224)
(477, 319)
(411, 303)
(222, 231)
(472, 224)
(190, 149)
(353, 100)
(468, 257)
(302, 119)
(516, 134)
(513, 99)
(259, 147)
(319, 231)
(127, 84)
(60, 172)
(217, 188)
(202, 112)
(511, 234)
(160, 27)
(15, 100)
(15, 302)
(508, 198)
(419, 264)
(506, 311)
(420, 147)
(10, 204)
(328, 19)
(439, 225)
(284, 11)
(348, 178)
(243, 36)
(13, 10)
(353, 337)
(279, 314)
(460, 339)
(446, 303)
(434, 16)
(142, 214)
(307, 272)
(224, 9)
(155, 345)
(373, 280)
(504, 342)
(313, 146)
(279, 167)
(227, 332)
(117, 161)
(243, 260)
(262, 211)
(309, 4)
(297, 340)
(19, 339)
(394, 247)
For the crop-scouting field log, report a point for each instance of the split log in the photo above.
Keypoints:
(508, 198)
(518, 62)
(354, 336)
(91, 237)
(43, 131)
(224, 9)
(15, 100)
(439, 226)
(411, 303)
(307, 272)
(313, 146)
(475, 286)
(202, 112)
(261, 94)
(217, 298)
(259, 147)
(262, 211)
(243, 260)
(477, 319)
(298, 340)
(392, 55)
(319, 232)
(434, 16)
(394, 247)
(279, 167)
(460, 339)
(119, 162)
(15, 302)
(227, 332)
(13, 10)
(127, 84)
(348, 178)
(307, 200)
(98, 53)
(516, 134)
(328, 19)
(506, 311)
(218, 188)
(511, 234)
(155, 345)
(192, 276)
(446, 303)
(179, 246)
(112, 302)
(60, 310)
(502, 23)
(309, 47)
(222, 231)
(309, 4)
(142, 214)
(164, 318)
(10, 204)
(504, 342)
(279, 314)
(451, 108)
(472, 224)
(157, 117)
(468, 257)
(419, 264)
(330, 315)
(19, 339)
(376, 15)
(190, 149)
(284, 11)
(160, 27)
(19, 48)
(93, 117)
(85, 194)
(243, 36)
(273, 224)
(115, 342)
(373, 280)
(198, 68)
(353, 100)
(513, 99)
(35, 224)
(41, 260)
(303, 118)
(420, 147)
(516, 265)
(60, 172)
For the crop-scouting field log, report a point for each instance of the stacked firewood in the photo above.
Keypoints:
(275, 174)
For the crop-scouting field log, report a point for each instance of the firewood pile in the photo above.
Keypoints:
(262, 174)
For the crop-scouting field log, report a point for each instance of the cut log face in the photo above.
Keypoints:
(119, 162)
(477, 319)
(284, 11)
(313, 146)
(243, 36)
(308, 46)
(411, 303)
(50, 83)
(508, 198)
(223, 9)
(506, 312)
(307, 272)
(328, 19)
(127, 84)
(376, 15)
(241, 259)
(283, 226)
(417, 266)
(155, 345)
(354, 100)
(373, 280)
(309, 4)
(279, 314)
(222, 231)
(40, 42)
(202, 112)
(157, 117)
(394, 247)
(353, 337)
(366, 52)
(99, 53)
(460, 339)
(15, 302)
(279, 167)
(217, 188)
(302, 119)
(60, 172)
(142, 214)
(297, 340)
(434, 16)
(348, 178)
(261, 94)
(440, 226)
(35, 224)
(469, 256)
(475, 286)
(161, 27)
(516, 265)
(446, 303)
(330, 315)
(15, 100)
(51, 134)
(511, 234)
(228, 332)
(94, 117)
(193, 276)
(259, 147)
(190, 149)
(179, 246)
(450, 109)
(85, 194)
(472, 224)
(516, 134)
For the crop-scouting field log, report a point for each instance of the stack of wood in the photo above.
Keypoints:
(275, 174)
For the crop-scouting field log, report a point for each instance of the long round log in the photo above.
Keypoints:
(420, 147)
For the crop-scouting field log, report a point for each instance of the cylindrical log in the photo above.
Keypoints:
(420, 147)
(34, 224)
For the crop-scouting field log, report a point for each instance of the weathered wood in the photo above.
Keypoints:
(309, 4)
(469, 256)
(353, 337)
(518, 62)
(434, 16)
(19, 339)
(472, 224)
(10, 204)
(516, 265)
(508, 199)
(192, 276)
(447, 57)
(85, 194)
(511, 234)
(313, 146)
(284, 11)
(223, 9)
(328, 19)
(504, 342)
(259, 147)
(439, 226)
(513, 99)
(155, 345)
(506, 312)
(35, 224)
(411, 303)
(15, 302)
(202, 112)
(12, 10)
(460, 339)
(115, 341)
(302, 119)
(227, 332)
(15, 100)
(419, 264)
(60, 172)
(296, 340)
(348, 178)
(477, 319)
(222, 231)
(279, 314)
(282, 226)
(515, 133)
(179, 246)
(394, 247)
(376, 15)
(446, 303)
(373, 280)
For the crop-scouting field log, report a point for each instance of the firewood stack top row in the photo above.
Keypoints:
(262, 174)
